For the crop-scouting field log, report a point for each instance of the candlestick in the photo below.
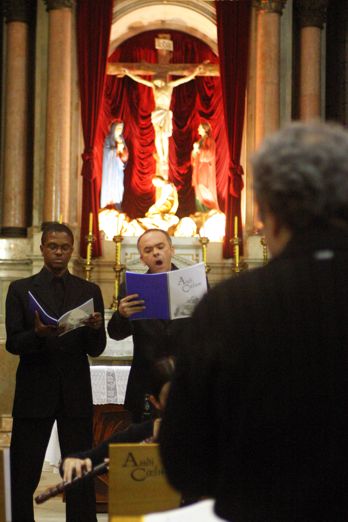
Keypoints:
(89, 252)
(235, 226)
(236, 245)
(204, 242)
(89, 238)
(118, 269)
(88, 267)
(238, 265)
(90, 227)
(264, 250)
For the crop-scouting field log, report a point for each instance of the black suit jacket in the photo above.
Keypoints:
(53, 373)
(153, 339)
(257, 416)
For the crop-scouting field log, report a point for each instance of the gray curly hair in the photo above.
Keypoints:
(301, 174)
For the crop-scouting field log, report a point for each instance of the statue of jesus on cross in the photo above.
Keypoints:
(162, 88)
(161, 116)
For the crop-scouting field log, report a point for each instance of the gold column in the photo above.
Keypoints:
(18, 14)
(58, 121)
(312, 16)
(267, 67)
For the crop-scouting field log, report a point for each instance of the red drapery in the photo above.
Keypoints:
(132, 103)
(233, 27)
(93, 24)
(122, 98)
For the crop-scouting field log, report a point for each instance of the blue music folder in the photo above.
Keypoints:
(34, 306)
(168, 295)
(74, 318)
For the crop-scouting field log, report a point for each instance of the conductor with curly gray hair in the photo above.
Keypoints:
(257, 417)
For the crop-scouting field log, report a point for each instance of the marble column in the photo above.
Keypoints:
(267, 108)
(312, 16)
(18, 14)
(58, 121)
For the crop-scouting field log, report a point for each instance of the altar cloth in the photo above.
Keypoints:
(109, 385)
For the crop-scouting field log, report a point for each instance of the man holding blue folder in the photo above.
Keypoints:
(153, 338)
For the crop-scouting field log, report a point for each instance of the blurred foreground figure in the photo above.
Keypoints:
(257, 416)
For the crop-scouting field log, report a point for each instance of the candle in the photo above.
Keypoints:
(60, 218)
(90, 228)
(235, 226)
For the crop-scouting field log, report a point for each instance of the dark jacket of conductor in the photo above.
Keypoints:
(257, 416)
(53, 370)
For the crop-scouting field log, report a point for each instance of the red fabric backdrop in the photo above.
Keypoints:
(105, 98)
(93, 25)
(233, 27)
(133, 103)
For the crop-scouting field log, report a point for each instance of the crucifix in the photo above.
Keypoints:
(162, 87)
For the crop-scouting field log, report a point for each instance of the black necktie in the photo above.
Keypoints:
(59, 293)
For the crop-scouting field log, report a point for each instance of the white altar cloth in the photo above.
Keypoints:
(109, 385)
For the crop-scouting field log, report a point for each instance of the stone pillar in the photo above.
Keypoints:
(58, 121)
(312, 16)
(18, 14)
(267, 115)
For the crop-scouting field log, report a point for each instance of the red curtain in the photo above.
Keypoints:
(132, 103)
(93, 25)
(217, 100)
(233, 27)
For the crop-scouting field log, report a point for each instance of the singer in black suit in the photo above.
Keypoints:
(152, 338)
(53, 376)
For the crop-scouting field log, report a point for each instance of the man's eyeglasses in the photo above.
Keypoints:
(53, 247)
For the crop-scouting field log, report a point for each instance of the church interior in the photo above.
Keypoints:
(184, 92)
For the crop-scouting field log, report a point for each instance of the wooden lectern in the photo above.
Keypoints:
(137, 483)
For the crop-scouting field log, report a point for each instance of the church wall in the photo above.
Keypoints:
(14, 264)
(132, 17)
(2, 105)
(8, 365)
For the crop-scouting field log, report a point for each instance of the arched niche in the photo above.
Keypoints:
(195, 17)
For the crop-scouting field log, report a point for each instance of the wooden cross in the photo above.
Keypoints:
(156, 69)
(161, 116)
(163, 68)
